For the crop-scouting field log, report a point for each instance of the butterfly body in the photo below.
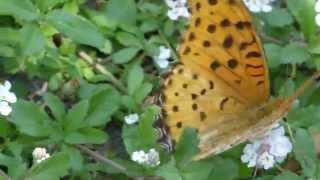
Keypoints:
(221, 86)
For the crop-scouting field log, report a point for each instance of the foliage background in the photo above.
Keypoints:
(79, 66)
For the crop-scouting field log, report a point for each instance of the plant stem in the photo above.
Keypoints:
(101, 69)
(270, 39)
(101, 158)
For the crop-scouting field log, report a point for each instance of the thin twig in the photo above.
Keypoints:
(101, 69)
(101, 158)
(270, 39)
(41, 91)
(4, 175)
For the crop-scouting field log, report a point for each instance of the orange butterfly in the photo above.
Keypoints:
(221, 87)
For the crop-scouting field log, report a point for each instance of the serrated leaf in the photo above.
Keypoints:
(30, 119)
(32, 41)
(279, 18)
(187, 147)
(224, 169)
(20, 9)
(128, 39)
(102, 106)
(143, 136)
(55, 105)
(287, 176)
(135, 78)
(169, 171)
(294, 53)
(304, 13)
(87, 136)
(76, 116)
(124, 55)
(142, 92)
(304, 117)
(305, 153)
(53, 168)
(115, 9)
(16, 167)
(273, 52)
(197, 170)
(78, 29)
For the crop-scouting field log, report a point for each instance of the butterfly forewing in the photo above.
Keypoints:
(221, 78)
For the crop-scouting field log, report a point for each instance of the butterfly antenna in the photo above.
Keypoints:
(314, 79)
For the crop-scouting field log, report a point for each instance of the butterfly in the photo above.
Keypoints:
(221, 86)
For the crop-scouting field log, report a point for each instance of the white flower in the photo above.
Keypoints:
(257, 6)
(131, 118)
(6, 97)
(40, 154)
(150, 159)
(268, 150)
(162, 60)
(139, 157)
(317, 9)
(5, 108)
(266, 160)
(153, 158)
(177, 8)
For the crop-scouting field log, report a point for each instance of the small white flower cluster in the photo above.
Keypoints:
(131, 118)
(6, 97)
(40, 154)
(257, 6)
(178, 8)
(150, 159)
(268, 150)
(162, 60)
(317, 9)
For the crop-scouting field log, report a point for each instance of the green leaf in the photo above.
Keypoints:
(279, 18)
(187, 147)
(16, 167)
(76, 116)
(273, 52)
(53, 168)
(143, 136)
(314, 47)
(30, 119)
(224, 169)
(135, 78)
(124, 55)
(169, 171)
(304, 13)
(87, 136)
(32, 41)
(102, 106)
(305, 152)
(149, 25)
(75, 158)
(47, 4)
(304, 117)
(287, 176)
(78, 29)
(20, 9)
(115, 10)
(5, 128)
(294, 53)
(197, 170)
(55, 105)
(142, 92)
(128, 39)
